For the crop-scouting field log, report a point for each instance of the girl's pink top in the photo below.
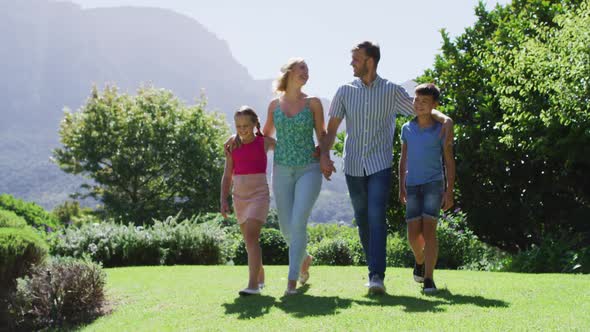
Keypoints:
(250, 158)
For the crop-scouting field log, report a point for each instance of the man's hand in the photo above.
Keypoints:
(448, 200)
(327, 166)
(403, 196)
(224, 209)
(447, 131)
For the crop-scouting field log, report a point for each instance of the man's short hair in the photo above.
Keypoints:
(371, 49)
(428, 89)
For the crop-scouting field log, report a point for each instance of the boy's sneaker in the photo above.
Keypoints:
(419, 271)
(429, 286)
(376, 285)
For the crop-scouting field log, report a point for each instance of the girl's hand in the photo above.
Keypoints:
(403, 196)
(224, 209)
(448, 200)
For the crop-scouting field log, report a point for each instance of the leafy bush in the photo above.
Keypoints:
(165, 243)
(11, 219)
(71, 213)
(33, 214)
(460, 248)
(274, 249)
(399, 253)
(557, 255)
(516, 85)
(63, 292)
(333, 252)
(20, 249)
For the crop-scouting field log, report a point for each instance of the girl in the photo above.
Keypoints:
(296, 176)
(245, 166)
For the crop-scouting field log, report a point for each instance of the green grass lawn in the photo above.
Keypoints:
(206, 298)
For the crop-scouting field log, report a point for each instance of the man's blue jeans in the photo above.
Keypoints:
(369, 195)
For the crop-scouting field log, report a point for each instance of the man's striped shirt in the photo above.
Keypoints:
(370, 113)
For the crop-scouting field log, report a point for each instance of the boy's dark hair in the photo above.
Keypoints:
(371, 49)
(428, 89)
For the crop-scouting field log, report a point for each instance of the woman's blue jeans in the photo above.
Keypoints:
(296, 190)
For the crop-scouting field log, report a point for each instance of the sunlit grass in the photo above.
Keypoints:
(206, 298)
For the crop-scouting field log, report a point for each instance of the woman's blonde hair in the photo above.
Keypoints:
(280, 84)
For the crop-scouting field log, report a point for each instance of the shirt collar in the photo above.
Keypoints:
(375, 83)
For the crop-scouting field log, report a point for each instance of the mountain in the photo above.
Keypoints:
(53, 52)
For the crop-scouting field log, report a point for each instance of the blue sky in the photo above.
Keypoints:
(264, 34)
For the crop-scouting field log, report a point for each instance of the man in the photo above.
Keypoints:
(370, 105)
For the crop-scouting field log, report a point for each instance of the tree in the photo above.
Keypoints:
(148, 156)
(516, 84)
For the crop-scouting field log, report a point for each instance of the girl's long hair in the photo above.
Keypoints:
(249, 112)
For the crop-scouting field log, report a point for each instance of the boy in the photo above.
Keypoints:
(421, 181)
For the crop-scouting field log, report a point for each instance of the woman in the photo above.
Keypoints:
(296, 176)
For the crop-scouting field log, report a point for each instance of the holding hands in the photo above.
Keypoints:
(327, 166)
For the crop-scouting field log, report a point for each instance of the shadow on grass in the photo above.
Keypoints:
(250, 306)
(410, 304)
(442, 297)
(479, 301)
(303, 305)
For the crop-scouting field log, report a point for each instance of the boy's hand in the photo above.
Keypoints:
(448, 200)
(224, 209)
(403, 196)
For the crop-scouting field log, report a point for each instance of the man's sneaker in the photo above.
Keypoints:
(429, 286)
(376, 285)
(419, 272)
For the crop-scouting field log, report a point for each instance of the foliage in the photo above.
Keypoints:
(11, 219)
(148, 156)
(460, 248)
(71, 213)
(516, 84)
(34, 214)
(554, 254)
(63, 292)
(20, 250)
(164, 243)
(333, 252)
(274, 249)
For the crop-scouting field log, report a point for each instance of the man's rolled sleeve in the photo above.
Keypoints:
(404, 103)
(337, 109)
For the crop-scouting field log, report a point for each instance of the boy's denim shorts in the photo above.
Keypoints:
(424, 201)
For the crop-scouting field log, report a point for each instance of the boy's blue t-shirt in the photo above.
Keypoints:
(424, 154)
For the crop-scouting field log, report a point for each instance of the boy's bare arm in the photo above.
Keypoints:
(402, 168)
(448, 199)
(447, 122)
